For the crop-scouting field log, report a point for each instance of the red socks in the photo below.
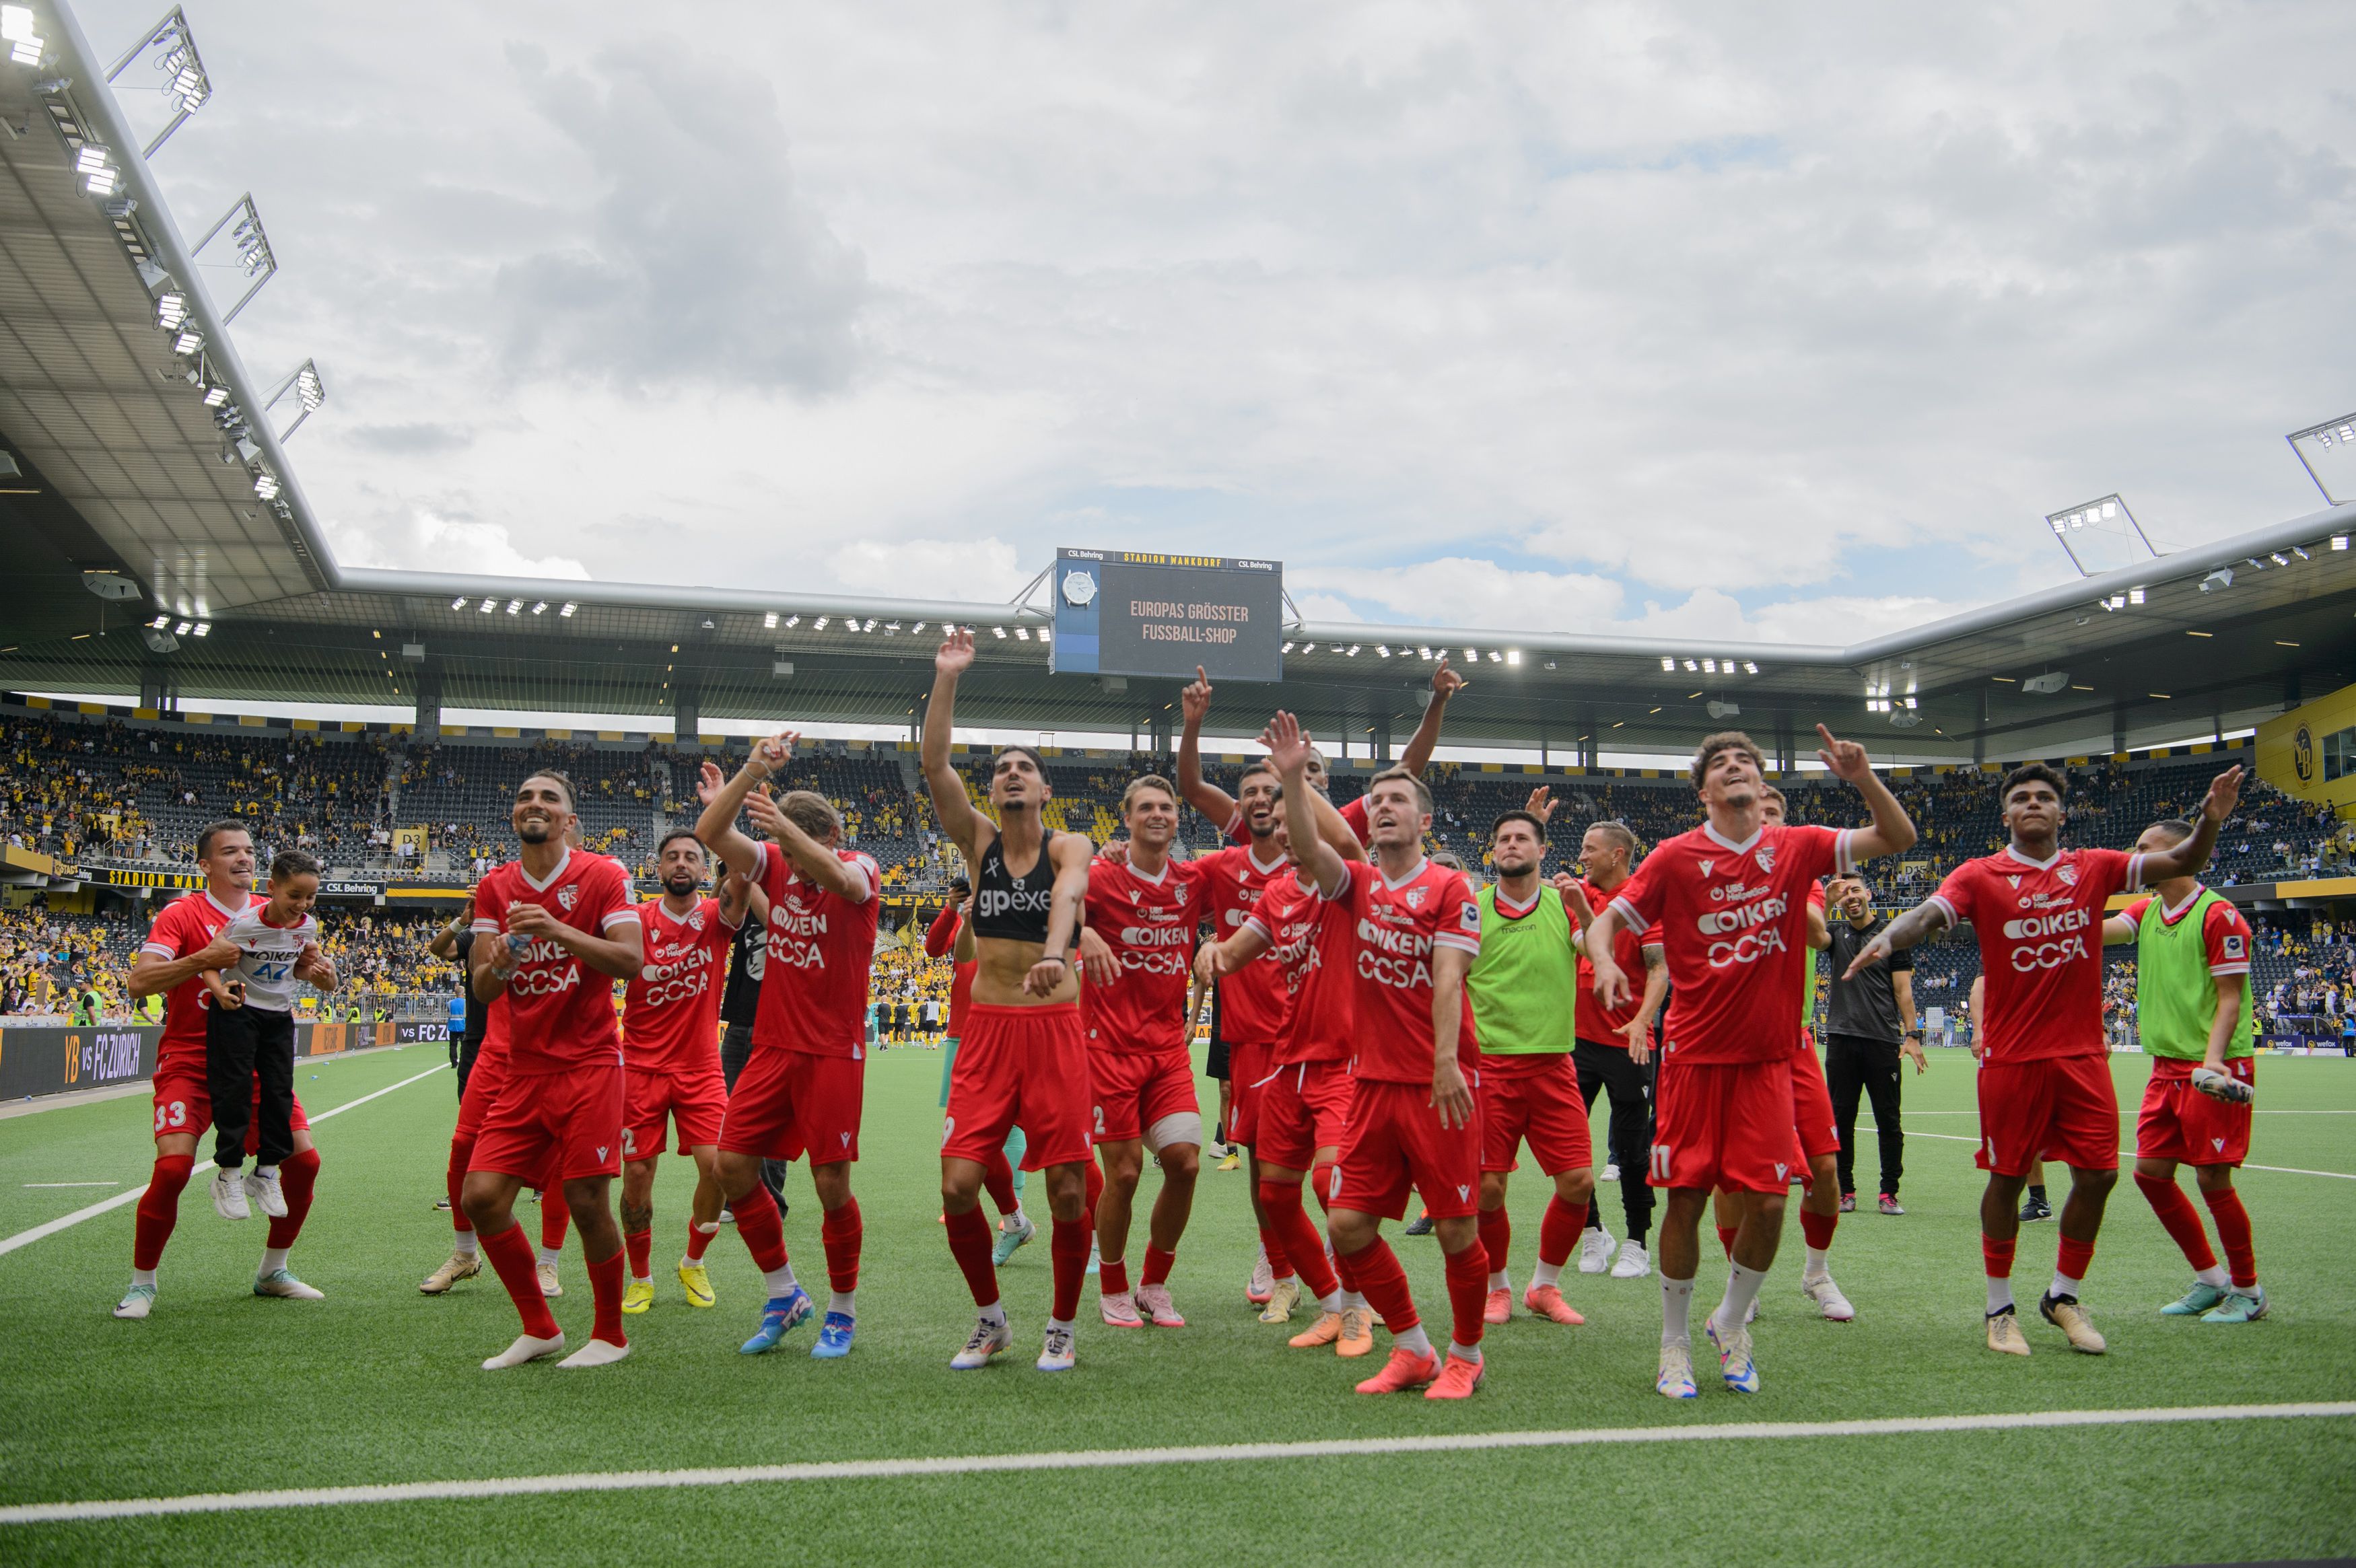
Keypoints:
(1468, 1294)
(298, 1173)
(1996, 1256)
(458, 1183)
(511, 1255)
(998, 1180)
(764, 1232)
(2234, 1231)
(969, 1237)
(606, 1290)
(2073, 1258)
(1069, 1247)
(840, 1233)
(1158, 1264)
(2180, 1218)
(1280, 1201)
(556, 1214)
(159, 1208)
(1113, 1276)
(1817, 1228)
(1497, 1242)
(1558, 1230)
(640, 1246)
(1384, 1283)
(1725, 1238)
(698, 1238)
(1280, 1257)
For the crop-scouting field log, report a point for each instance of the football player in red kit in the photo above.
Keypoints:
(1730, 900)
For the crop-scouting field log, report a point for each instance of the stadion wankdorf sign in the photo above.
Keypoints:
(40, 1059)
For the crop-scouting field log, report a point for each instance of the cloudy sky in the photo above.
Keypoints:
(1789, 319)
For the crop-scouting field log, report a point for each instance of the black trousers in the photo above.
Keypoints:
(1853, 1062)
(245, 1047)
(735, 1046)
(463, 1048)
(1630, 1133)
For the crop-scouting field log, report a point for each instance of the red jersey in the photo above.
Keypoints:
(1149, 923)
(671, 1017)
(560, 1011)
(1591, 1020)
(187, 926)
(1733, 923)
(1239, 829)
(2225, 936)
(821, 946)
(2040, 925)
(1251, 1000)
(1394, 926)
(940, 942)
(1317, 941)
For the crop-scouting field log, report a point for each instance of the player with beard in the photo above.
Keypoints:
(1023, 1055)
(1730, 900)
(2045, 1074)
(803, 1088)
(671, 1014)
(553, 927)
(1415, 1115)
(1304, 1110)
(1525, 987)
(183, 943)
(1143, 908)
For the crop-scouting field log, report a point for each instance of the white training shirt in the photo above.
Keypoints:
(268, 967)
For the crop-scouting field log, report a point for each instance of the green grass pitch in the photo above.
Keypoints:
(220, 1392)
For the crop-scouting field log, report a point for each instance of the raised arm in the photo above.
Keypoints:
(2186, 859)
(1194, 703)
(735, 897)
(1893, 831)
(959, 818)
(1820, 936)
(1287, 752)
(723, 800)
(1331, 828)
(444, 944)
(941, 935)
(815, 861)
(1445, 683)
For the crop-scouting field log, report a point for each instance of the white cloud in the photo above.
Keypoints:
(424, 542)
(930, 569)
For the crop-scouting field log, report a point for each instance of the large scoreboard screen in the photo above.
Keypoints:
(1124, 612)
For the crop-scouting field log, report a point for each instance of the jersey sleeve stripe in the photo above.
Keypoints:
(485, 928)
(621, 917)
(1254, 923)
(1949, 910)
(2226, 971)
(2134, 869)
(1450, 939)
(1844, 852)
(1629, 919)
(158, 949)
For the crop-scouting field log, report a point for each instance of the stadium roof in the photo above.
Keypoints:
(127, 473)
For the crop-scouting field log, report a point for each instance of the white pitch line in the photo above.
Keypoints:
(106, 1205)
(2130, 1154)
(73, 1184)
(1120, 1458)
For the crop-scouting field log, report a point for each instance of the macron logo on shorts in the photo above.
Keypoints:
(601, 1150)
(2217, 1144)
(1780, 1169)
(1462, 1191)
(846, 1140)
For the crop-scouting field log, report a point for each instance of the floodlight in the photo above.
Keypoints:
(1288, 647)
(1353, 650)
(2332, 444)
(160, 622)
(915, 629)
(1749, 668)
(204, 628)
(458, 603)
(2101, 536)
(1689, 666)
(769, 622)
(171, 309)
(2279, 559)
(1042, 635)
(1025, 634)
(1423, 653)
(791, 619)
(182, 629)
(188, 341)
(820, 625)
(265, 484)
(308, 388)
(998, 632)
(539, 607)
(1668, 663)
(90, 159)
(1710, 667)
(2339, 541)
(567, 612)
(515, 607)
(2135, 595)
(489, 605)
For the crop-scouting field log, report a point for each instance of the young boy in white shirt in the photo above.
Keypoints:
(249, 1034)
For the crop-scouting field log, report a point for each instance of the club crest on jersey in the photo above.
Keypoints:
(695, 921)
(1765, 856)
(1415, 898)
(2068, 875)
(566, 897)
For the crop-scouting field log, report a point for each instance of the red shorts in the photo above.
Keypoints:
(1250, 1070)
(182, 1106)
(789, 1103)
(1812, 1104)
(694, 1100)
(1026, 1067)
(1395, 1141)
(2056, 1107)
(1535, 1097)
(2179, 1123)
(1725, 1125)
(1305, 1108)
(565, 1125)
(1134, 1090)
(488, 1077)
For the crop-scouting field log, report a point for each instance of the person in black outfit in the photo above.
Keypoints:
(1868, 1024)
(456, 942)
(740, 1002)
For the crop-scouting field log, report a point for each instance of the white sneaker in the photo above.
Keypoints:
(1633, 1262)
(136, 1302)
(281, 1282)
(596, 1353)
(1828, 1297)
(548, 1284)
(262, 1187)
(526, 1349)
(1677, 1379)
(987, 1340)
(228, 1196)
(1594, 1251)
(1611, 1172)
(1261, 1286)
(1056, 1354)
